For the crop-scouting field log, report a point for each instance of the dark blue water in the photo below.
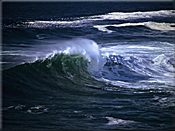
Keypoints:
(88, 66)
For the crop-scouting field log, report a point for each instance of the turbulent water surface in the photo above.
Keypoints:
(88, 66)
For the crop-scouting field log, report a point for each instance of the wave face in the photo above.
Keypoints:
(105, 69)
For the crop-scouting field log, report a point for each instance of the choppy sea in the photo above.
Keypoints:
(88, 66)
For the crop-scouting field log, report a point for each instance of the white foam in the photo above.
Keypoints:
(102, 28)
(116, 121)
(159, 59)
(159, 26)
(163, 61)
(142, 47)
(128, 50)
(153, 59)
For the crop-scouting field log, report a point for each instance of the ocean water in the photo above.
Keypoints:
(88, 66)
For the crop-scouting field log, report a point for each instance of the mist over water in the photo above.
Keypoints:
(89, 69)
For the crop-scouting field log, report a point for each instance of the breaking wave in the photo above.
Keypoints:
(122, 65)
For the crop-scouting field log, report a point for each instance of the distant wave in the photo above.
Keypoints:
(84, 21)
(134, 15)
(150, 25)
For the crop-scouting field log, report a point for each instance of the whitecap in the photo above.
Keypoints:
(116, 121)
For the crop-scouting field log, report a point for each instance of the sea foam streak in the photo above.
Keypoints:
(150, 25)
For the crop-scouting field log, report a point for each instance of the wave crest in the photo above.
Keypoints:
(76, 57)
